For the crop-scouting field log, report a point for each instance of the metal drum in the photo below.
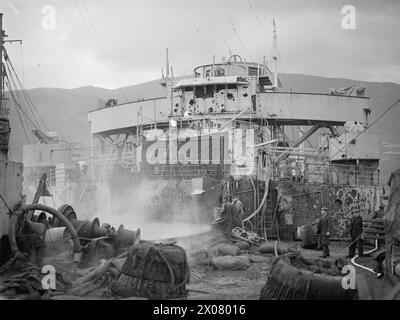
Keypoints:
(127, 237)
(68, 212)
(57, 239)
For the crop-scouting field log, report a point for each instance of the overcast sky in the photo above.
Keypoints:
(122, 42)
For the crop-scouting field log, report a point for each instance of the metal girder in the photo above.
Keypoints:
(299, 141)
(333, 130)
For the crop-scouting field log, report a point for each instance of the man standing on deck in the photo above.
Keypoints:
(324, 231)
(226, 216)
(356, 230)
(237, 212)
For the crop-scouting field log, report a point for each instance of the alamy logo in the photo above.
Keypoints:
(49, 18)
(49, 280)
(189, 147)
(349, 277)
(349, 17)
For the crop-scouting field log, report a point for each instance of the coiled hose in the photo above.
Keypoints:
(19, 214)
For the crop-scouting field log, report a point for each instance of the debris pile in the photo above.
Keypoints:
(295, 278)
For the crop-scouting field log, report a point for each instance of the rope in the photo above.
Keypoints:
(5, 203)
(247, 236)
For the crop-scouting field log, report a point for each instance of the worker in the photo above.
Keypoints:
(237, 212)
(324, 231)
(226, 216)
(356, 230)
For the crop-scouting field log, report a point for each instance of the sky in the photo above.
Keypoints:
(110, 44)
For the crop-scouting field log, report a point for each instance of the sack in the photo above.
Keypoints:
(269, 247)
(231, 263)
(226, 249)
(242, 245)
(257, 259)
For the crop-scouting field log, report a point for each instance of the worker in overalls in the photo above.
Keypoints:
(237, 212)
(356, 230)
(226, 217)
(324, 231)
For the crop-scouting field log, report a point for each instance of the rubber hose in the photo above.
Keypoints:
(19, 214)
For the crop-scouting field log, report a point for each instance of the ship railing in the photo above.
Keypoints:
(325, 173)
(58, 176)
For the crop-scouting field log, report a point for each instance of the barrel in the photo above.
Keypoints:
(309, 237)
(56, 240)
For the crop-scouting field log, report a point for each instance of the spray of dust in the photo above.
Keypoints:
(161, 210)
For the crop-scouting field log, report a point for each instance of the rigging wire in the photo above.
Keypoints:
(12, 91)
(19, 106)
(229, 49)
(280, 61)
(357, 136)
(241, 42)
(94, 36)
(19, 86)
(23, 125)
(22, 63)
(25, 110)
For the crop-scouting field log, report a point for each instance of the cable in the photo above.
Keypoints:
(22, 63)
(241, 42)
(97, 43)
(386, 111)
(277, 48)
(26, 96)
(18, 105)
(5, 203)
(230, 52)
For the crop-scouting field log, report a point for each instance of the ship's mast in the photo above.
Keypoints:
(275, 57)
(4, 121)
(2, 36)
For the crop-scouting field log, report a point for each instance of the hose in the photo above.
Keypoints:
(353, 260)
(261, 204)
(19, 214)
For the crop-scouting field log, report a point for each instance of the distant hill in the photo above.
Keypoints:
(65, 110)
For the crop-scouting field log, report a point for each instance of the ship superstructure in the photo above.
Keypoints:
(229, 128)
(231, 121)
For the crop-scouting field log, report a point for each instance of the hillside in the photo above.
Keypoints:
(65, 110)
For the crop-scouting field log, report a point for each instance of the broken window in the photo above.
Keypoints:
(199, 92)
(253, 71)
(219, 72)
(220, 88)
(209, 91)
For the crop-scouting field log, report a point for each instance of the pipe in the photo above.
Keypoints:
(261, 204)
(254, 194)
(19, 214)
(233, 119)
(353, 260)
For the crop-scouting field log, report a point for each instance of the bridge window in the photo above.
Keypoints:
(253, 71)
(220, 87)
(209, 91)
(199, 92)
